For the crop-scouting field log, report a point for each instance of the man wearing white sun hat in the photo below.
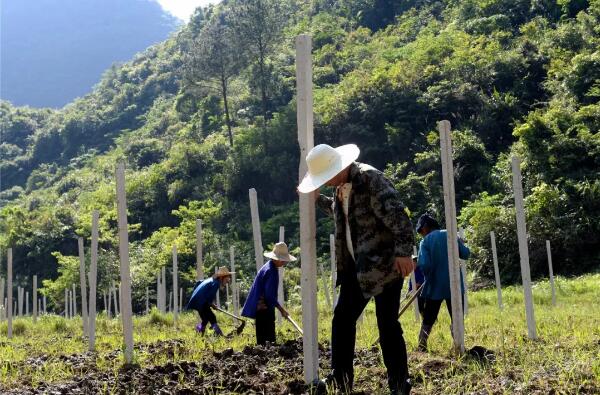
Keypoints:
(373, 245)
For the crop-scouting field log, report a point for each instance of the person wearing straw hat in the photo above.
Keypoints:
(373, 245)
(203, 296)
(262, 297)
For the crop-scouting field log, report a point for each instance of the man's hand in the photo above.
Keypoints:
(283, 312)
(404, 265)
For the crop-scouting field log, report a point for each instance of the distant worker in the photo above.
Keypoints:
(433, 262)
(373, 247)
(262, 298)
(203, 296)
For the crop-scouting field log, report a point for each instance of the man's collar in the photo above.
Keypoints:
(353, 173)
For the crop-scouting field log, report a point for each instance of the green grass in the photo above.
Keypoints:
(565, 358)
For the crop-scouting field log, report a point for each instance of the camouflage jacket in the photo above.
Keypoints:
(379, 226)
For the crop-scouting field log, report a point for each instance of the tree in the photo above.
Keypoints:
(214, 58)
(258, 26)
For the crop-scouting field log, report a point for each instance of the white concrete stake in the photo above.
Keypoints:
(74, 300)
(27, 303)
(463, 271)
(325, 286)
(170, 301)
(458, 328)
(67, 304)
(93, 280)
(234, 286)
(9, 291)
(158, 287)
(308, 255)
(281, 272)
(496, 270)
(175, 286)
(258, 247)
(109, 313)
(163, 291)
(83, 285)
(44, 303)
(180, 300)
(35, 299)
(2, 302)
(19, 301)
(413, 280)
(551, 272)
(124, 266)
(199, 262)
(523, 248)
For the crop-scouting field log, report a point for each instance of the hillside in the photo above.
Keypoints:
(55, 51)
(519, 77)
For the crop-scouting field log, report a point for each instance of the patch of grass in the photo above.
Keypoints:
(565, 358)
(158, 318)
(19, 327)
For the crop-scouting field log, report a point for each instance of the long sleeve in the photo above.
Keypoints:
(425, 262)
(325, 203)
(463, 250)
(271, 287)
(386, 204)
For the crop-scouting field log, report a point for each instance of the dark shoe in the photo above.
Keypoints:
(403, 389)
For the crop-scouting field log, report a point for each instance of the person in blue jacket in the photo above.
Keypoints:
(262, 298)
(433, 262)
(203, 296)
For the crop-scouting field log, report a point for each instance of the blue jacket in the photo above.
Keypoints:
(433, 262)
(204, 293)
(265, 285)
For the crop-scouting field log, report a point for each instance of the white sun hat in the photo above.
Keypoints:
(325, 162)
(280, 252)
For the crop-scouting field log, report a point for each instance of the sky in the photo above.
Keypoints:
(183, 9)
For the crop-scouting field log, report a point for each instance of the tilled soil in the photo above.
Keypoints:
(271, 369)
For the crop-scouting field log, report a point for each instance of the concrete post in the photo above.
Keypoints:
(308, 255)
(258, 247)
(93, 280)
(453, 258)
(551, 272)
(496, 269)
(523, 247)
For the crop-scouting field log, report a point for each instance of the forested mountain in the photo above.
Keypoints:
(209, 113)
(53, 51)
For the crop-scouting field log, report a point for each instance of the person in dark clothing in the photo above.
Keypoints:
(433, 262)
(262, 298)
(203, 296)
(373, 247)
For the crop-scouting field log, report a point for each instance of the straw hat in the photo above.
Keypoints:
(325, 162)
(223, 272)
(280, 252)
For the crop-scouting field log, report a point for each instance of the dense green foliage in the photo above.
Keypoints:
(514, 78)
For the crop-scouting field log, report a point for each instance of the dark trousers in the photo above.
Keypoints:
(265, 326)
(350, 305)
(421, 303)
(207, 315)
(432, 309)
